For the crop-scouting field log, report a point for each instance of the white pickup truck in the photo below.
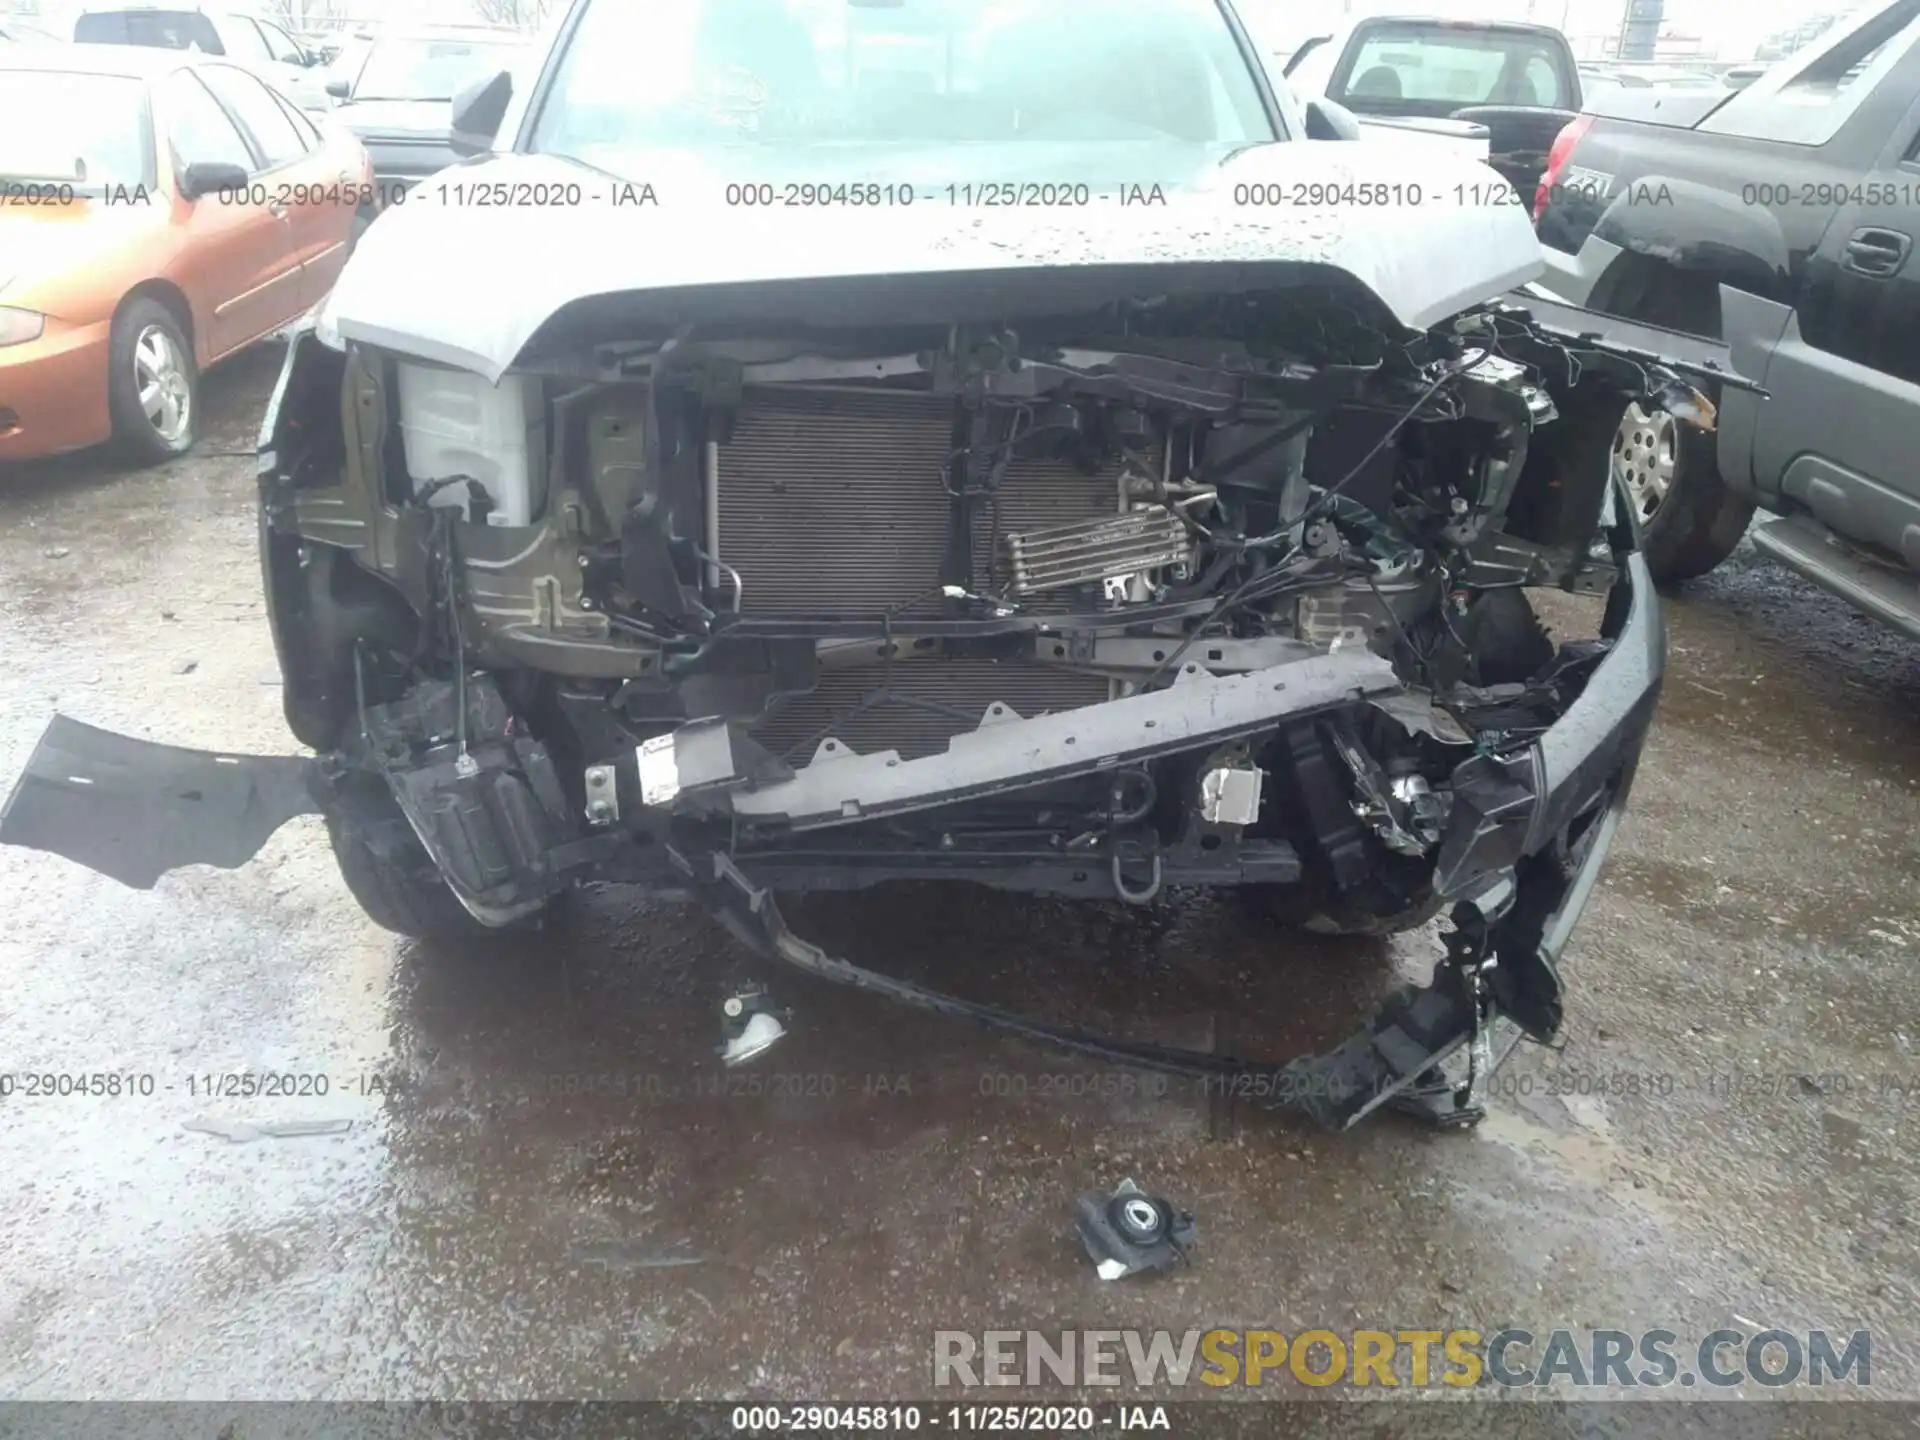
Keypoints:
(1497, 91)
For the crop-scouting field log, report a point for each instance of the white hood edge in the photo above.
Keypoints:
(468, 284)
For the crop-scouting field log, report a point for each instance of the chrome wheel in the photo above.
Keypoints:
(160, 380)
(1646, 455)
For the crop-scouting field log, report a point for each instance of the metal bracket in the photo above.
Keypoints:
(603, 795)
(1452, 1101)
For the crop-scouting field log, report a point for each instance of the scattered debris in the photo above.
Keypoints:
(1130, 1231)
(239, 1132)
(56, 552)
(750, 1027)
(185, 667)
(627, 1255)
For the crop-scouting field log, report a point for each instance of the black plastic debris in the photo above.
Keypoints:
(1130, 1231)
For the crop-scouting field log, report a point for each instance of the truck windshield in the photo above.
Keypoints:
(167, 29)
(897, 71)
(419, 69)
(1433, 68)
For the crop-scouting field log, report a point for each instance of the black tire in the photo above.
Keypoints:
(1505, 641)
(1699, 519)
(143, 330)
(388, 871)
(401, 890)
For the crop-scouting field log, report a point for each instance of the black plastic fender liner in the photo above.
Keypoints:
(133, 810)
(1394, 1056)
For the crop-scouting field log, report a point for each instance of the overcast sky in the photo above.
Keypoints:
(1732, 27)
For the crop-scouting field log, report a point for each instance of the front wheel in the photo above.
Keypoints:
(1690, 519)
(388, 871)
(152, 385)
(395, 883)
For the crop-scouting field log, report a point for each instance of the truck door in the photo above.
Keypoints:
(1840, 429)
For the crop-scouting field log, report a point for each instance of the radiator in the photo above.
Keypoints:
(835, 503)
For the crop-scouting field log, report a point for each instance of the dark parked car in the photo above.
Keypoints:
(1780, 217)
(884, 508)
(395, 91)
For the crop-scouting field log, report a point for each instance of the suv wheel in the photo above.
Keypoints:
(1689, 520)
(1646, 451)
(152, 386)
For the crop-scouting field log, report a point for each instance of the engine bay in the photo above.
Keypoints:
(754, 557)
(1227, 591)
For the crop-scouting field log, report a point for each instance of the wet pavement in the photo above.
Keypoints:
(537, 1181)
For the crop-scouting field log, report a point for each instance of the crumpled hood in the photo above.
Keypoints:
(470, 283)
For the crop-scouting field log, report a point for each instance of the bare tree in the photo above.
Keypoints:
(299, 15)
(521, 14)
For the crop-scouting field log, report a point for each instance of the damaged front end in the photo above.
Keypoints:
(1198, 589)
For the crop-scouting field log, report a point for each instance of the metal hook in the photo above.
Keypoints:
(1136, 897)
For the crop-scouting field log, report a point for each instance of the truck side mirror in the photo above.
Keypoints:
(477, 112)
(1330, 120)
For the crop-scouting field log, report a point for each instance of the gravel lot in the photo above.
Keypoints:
(483, 1231)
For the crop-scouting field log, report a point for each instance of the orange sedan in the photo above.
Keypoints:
(158, 211)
